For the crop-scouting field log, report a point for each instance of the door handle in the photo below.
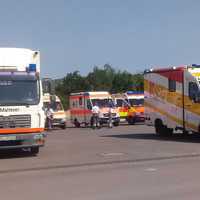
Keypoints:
(189, 105)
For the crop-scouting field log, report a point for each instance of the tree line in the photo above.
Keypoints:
(106, 79)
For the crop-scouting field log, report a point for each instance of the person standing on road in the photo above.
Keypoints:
(110, 111)
(49, 117)
(95, 116)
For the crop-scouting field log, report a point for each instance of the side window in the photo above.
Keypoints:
(80, 101)
(172, 85)
(89, 106)
(193, 90)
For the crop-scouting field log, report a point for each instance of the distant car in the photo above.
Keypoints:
(59, 117)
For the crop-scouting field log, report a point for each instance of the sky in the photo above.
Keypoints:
(130, 35)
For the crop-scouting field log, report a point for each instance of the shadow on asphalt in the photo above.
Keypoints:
(5, 154)
(193, 138)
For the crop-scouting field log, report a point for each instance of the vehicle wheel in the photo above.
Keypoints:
(86, 125)
(131, 120)
(162, 130)
(170, 131)
(91, 122)
(158, 127)
(116, 123)
(63, 126)
(34, 150)
(76, 123)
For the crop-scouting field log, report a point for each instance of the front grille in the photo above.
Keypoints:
(15, 121)
(57, 120)
(10, 143)
(107, 114)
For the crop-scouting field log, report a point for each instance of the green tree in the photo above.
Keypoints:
(138, 84)
(101, 79)
(123, 81)
(73, 82)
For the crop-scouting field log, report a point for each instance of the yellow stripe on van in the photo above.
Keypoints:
(197, 74)
(171, 97)
(171, 117)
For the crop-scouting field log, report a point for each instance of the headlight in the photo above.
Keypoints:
(63, 120)
(101, 115)
(117, 115)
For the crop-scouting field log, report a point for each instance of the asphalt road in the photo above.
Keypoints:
(125, 162)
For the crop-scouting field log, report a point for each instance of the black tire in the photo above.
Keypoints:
(158, 127)
(86, 125)
(91, 122)
(63, 126)
(76, 123)
(170, 131)
(131, 120)
(34, 150)
(116, 123)
(162, 130)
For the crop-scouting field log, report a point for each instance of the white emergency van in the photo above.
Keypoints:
(21, 100)
(81, 108)
(172, 99)
(59, 117)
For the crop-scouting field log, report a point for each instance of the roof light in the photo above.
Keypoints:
(133, 92)
(32, 67)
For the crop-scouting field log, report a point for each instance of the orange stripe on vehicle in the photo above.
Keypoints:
(90, 96)
(172, 117)
(76, 97)
(21, 130)
(139, 109)
(123, 109)
(78, 112)
(59, 113)
(99, 95)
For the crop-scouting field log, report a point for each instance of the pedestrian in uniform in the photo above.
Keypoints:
(95, 116)
(110, 111)
(49, 117)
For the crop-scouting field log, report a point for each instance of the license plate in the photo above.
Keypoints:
(8, 138)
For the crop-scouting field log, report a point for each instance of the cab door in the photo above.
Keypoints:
(192, 107)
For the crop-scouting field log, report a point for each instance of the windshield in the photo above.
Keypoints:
(103, 102)
(46, 104)
(136, 102)
(19, 92)
(56, 106)
(119, 102)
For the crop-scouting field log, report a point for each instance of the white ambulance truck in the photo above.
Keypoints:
(172, 99)
(21, 100)
(81, 108)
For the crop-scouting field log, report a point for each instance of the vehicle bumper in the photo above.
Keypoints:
(18, 141)
(139, 119)
(105, 119)
(58, 122)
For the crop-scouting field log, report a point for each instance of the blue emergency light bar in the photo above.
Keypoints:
(32, 68)
(132, 93)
